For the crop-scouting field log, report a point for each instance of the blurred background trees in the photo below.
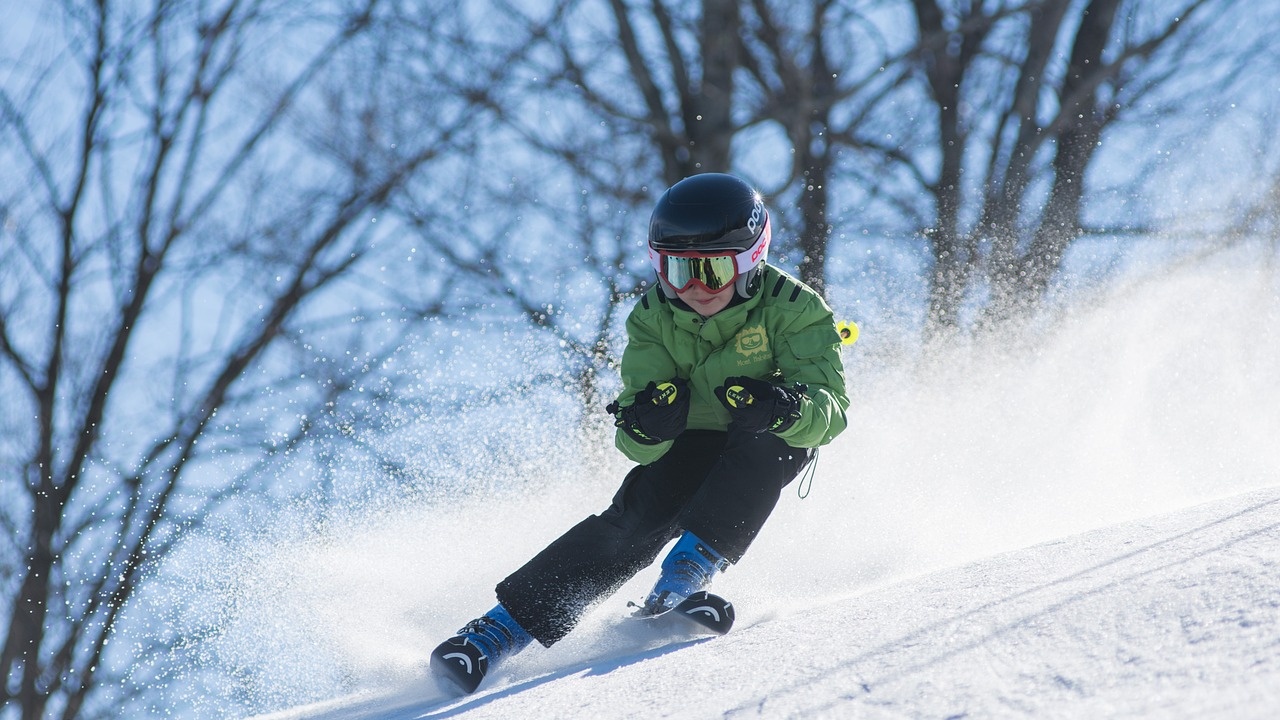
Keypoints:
(227, 230)
(189, 205)
(986, 136)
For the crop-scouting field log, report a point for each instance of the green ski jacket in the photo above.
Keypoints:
(784, 333)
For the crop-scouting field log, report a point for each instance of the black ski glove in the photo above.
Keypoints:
(759, 405)
(658, 413)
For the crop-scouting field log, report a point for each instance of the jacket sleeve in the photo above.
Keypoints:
(809, 353)
(645, 359)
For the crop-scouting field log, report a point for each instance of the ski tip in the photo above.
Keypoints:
(460, 663)
(708, 610)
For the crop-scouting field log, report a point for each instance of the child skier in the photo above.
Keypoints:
(732, 376)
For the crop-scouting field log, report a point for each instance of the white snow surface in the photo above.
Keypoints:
(1087, 530)
(1172, 616)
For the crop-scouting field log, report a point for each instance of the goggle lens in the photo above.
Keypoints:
(715, 273)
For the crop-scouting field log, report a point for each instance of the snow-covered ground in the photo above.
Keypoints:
(1172, 616)
(1090, 529)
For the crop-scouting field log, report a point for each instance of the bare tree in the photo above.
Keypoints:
(1021, 97)
(182, 257)
(564, 252)
(980, 134)
(806, 63)
(680, 61)
(623, 100)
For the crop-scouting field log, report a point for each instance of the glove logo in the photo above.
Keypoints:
(737, 396)
(752, 341)
(665, 394)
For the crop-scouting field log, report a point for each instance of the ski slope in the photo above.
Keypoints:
(1090, 529)
(1172, 616)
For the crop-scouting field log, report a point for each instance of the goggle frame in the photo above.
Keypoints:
(742, 262)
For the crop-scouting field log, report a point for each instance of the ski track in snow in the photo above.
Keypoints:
(1176, 615)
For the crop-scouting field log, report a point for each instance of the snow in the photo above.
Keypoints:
(1171, 616)
(1089, 530)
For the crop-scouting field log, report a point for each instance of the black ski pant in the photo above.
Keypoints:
(721, 486)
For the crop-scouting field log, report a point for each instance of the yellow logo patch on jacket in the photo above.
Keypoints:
(752, 341)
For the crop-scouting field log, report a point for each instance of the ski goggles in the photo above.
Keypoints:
(715, 272)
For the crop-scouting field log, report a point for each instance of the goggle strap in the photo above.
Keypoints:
(758, 252)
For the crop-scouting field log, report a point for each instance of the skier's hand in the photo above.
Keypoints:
(759, 405)
(657, 414)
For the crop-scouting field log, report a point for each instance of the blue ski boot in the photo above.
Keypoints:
(688, 568)
(465, 658)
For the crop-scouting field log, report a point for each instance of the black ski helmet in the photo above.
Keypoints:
(712, 212)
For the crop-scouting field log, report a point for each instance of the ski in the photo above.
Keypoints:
(706, 610)
(710, 611)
